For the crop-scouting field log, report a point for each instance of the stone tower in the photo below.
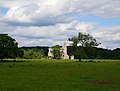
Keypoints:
(64, 52)
(64, 55)
(50, 54)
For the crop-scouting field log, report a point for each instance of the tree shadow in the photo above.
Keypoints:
(9, 61)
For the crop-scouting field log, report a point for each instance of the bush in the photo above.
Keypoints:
(33, 54)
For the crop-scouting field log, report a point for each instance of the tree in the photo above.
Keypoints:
(116, 53)
(28, 54)
(34, 53)
(8, 47)
(20, 53)
(85, 41)
(57, 52)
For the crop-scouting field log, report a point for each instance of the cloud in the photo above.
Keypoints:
(55, 34)
(109, 36)
(49, 22)
(102, 8)
(35, 15)
(45, 13)
(109, 33)
(1, 15)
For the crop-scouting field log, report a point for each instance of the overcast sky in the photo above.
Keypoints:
(52, 22)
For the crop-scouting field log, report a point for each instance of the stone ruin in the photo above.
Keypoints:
(64, 54)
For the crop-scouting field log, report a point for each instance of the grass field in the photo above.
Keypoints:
(58, 75)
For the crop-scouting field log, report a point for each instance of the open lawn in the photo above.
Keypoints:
(60, 75)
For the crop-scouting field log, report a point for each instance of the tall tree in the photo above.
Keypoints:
(57, 52)
(8, 47)
(84, 40)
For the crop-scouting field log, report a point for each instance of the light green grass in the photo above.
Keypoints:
(58, 75)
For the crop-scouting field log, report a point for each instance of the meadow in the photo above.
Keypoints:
(60, 75)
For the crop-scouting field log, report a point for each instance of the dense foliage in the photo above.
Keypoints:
(45, 48)
(93, 53)
(33, 54)
(98, 53)
(9, 47)
(84, 40)
(57, 52)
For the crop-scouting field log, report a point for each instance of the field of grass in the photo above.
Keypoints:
(60, 75)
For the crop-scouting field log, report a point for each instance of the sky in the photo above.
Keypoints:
(52, 22)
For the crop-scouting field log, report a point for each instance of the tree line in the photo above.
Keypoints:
(94, 53)
(97, 53)
(87, 50)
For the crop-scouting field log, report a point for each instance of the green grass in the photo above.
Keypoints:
(58, 75)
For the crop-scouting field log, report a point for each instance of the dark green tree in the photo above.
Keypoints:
(8, 47)
(85, 41)
(57, 52)
(116, 53)
(20, 53)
